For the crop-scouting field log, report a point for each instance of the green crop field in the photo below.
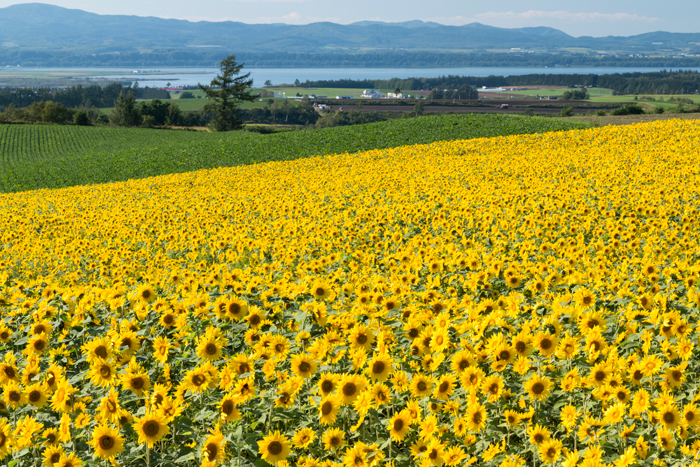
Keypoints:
(48, 156)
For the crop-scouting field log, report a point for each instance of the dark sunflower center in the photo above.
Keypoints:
(444, 386)
(326, 408)
(138, 382)
(34, 396)
(361, 338)
(422, 386)
(198, 380)
(349, 389)
(327, 386)
(151, 428)
(227, 407)
(378, 367)
(538, 388)
(105, 371)
(101, 351)
(212, 451)
(546, 344)
(106, 442)
(211, 349)
(275, 448)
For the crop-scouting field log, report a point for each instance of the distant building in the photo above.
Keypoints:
(344, 97)
(392, 95)
(371, 94)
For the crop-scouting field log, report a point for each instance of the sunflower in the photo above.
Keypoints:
(440, 340)
(210, 348)
(546, 343)
(102, 373)
(229, 412)
(492, 386)
(37, 395)
(167, 319)
(550, 451)
(600, 374)
(361, 336)
(445, 387)
(145, 293)
(379, 367)
(51, 437)
(521, 344)
(321, 291)
(5, 438)
(350, 387)
(197, 380)
(665, 439)
(106, 441)
(504, 354)
(37, 345)
(674, 377)
(512, 417)
(98, 348)
(13, 395)
(421, 385)
(70, 460)
(303, 438)
(355, 456)
(669, 416)
(151, 428)
(461, 361)
(213, 447)
(274, 448)
(435, 452)
(51, 455)
(399, 425)
(327, 383)
(333, 438)
(128, 342)
(328, 409)
(8, 372)
(472, 377)
(691, 415)
(303, 365)
(476, 417)
(109, 407)
(135, 380)
(538, 435)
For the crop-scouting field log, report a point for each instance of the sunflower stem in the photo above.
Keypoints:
(148, 456)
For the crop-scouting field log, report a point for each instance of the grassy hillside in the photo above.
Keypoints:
(44, 156)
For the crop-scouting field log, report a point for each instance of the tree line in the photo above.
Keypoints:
(662, 82)
(76, 96)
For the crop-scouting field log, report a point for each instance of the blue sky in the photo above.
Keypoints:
(592, 17)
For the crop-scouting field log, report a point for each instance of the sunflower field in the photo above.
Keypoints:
(516, 301)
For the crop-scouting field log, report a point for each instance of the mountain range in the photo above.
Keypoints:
(37, 26)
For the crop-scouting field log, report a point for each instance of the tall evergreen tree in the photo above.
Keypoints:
(125, 112)
(225, 94)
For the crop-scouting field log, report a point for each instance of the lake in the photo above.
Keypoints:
(187, 76)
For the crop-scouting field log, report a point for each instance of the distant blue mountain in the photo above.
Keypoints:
(41, 27)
